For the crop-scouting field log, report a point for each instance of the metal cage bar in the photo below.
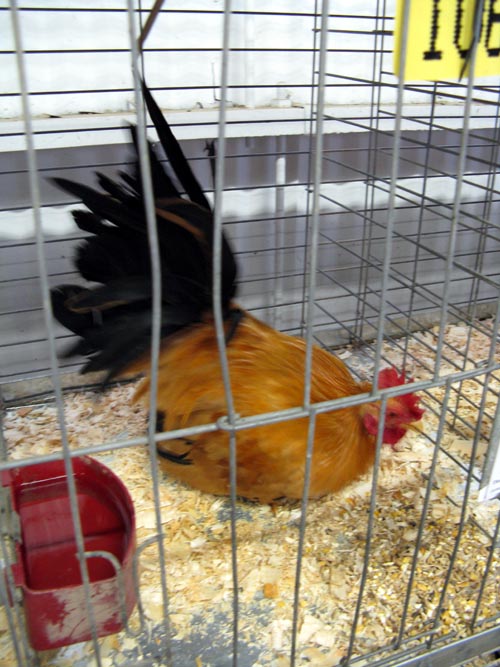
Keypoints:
(385, 241)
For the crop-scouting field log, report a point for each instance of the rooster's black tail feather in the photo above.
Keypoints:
(113, 318)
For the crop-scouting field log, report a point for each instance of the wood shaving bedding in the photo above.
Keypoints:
(198, 545)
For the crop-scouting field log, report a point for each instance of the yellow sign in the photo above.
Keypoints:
(440, 34)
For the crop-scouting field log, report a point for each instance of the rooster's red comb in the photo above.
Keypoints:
(389, 377)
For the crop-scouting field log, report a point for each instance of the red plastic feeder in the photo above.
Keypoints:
(48, 568)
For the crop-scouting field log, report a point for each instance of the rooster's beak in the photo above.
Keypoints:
(415, 426)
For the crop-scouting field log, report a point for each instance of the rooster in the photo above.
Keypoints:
(113, 322)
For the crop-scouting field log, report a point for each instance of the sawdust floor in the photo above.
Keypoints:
(198, 546)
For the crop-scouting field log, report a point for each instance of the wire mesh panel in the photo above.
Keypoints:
(361, 211)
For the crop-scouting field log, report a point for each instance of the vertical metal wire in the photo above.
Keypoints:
(316, 197)
(369, 201)
(149, 209)
(307, 215)
(249, 61)
(279, 229)
(48, 320)
(479, 262)
(9, 599)
(423, 514)
(493, 449)
(311, 299)
(391, 213)
(485, 215)
(3, 444)
(369, 534)
(458, 188)
(7, 585)
(420, 224)
(219, 318)
(8, 591)
(301, 540)
(486, 573)
(469, 480)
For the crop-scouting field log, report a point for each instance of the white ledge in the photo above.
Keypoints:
(105, 129)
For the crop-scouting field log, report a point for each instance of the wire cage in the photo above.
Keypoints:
(363, 211)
